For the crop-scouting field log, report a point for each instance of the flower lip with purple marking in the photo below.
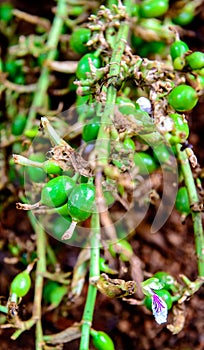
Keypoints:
(159, 308)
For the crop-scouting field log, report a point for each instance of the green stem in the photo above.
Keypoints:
(52, 134)
(26, 162)
(3, 309)
(102, 149)
(196, 216)
(43, 82)
(92, 291)
(103, 139)
(40, 270)
(51, 257)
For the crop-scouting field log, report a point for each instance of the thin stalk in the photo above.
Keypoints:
(196, 216)
(27, 162)
(43, 82)
(51, 255)
(102, 149)
(3, 309)
(103, 139)
(52, 134)
(93, 275)
(40, 271)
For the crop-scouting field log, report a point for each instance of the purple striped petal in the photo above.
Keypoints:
(159, 309)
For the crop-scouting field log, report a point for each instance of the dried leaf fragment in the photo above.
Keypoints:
(178, 319)
(115, 288)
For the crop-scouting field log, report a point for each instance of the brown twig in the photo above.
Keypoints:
(43, 22)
